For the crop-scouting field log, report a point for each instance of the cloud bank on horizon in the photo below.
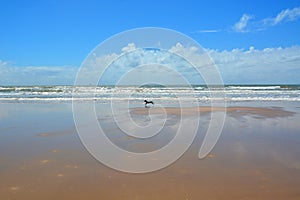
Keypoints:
(238, 66)
(36, 75)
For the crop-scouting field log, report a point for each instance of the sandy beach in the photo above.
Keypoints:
(257, 157)
(263, 112)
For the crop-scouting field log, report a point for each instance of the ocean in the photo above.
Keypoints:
(157, 93)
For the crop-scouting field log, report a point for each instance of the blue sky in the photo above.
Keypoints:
(46, 41)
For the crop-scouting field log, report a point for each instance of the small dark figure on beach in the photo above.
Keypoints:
(148, 102)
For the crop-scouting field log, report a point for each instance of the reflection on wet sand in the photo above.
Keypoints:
(254, 159)
(263, 112)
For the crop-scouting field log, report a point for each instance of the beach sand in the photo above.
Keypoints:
(256, 157)
(263, 112)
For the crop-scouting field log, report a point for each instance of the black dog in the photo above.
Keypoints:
(148, 102)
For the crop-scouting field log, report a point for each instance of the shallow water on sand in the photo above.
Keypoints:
(41, 157)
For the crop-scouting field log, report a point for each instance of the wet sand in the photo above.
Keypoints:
(263, 112)
(257, 157)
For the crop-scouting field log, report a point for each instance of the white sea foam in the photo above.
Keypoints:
(255, 87)
(104, 94)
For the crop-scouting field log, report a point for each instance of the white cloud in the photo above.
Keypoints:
(241, 25)
(251, 66)
(284, 16)
(209, 31)
(129, 47)
(154, 65)
(36, 75)
(270, 65)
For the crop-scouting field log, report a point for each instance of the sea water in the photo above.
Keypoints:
(157, 93)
